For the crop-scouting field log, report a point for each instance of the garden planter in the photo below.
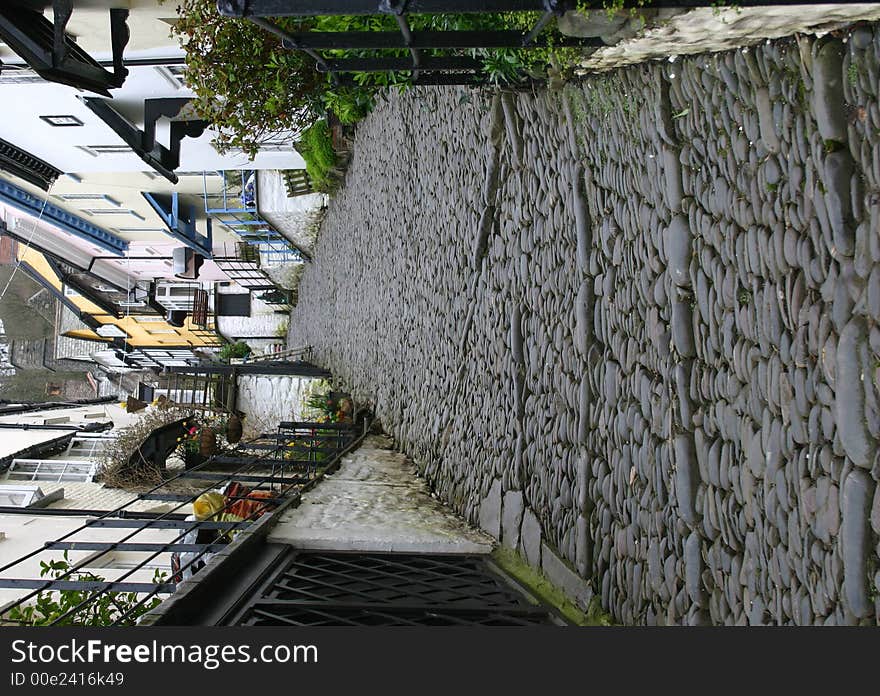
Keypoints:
(207, 442)
(233, 429)
(192, 459)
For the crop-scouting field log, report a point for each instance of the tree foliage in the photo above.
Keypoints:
(251, 88)
(246, 84)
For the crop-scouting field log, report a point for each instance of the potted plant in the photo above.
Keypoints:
(207, 441)
(239, 349)
(190, 448)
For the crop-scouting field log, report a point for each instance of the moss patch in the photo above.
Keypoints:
(513, 564)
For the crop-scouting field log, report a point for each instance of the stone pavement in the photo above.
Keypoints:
(657, 34)
(375, 502)
(633, 323)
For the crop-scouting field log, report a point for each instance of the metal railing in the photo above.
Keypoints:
(424, 69)
(235, 205)
(284, 463)
(301, 353)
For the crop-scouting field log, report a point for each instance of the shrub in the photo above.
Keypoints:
(239, 349)
(50, 606)
(115, 466)
(316, 148)
(246, 84)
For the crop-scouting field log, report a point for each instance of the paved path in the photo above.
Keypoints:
(375, 502)
(633, 324)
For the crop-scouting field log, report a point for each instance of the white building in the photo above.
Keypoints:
(110, 185)
(47, 490)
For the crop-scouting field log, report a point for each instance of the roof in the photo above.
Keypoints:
(96, 496)
(72, 348)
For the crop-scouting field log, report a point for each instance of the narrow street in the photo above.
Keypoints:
(631, 324)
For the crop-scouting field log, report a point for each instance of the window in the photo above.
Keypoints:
(160, 331)
(149, 319)
(142, 229)
(96, 150)
(87, 447)
(88, 197)
(19, 496)
(70, 292)
(112, 211)
(173, 75)
(62, 121)
(111, 331)
(50, 470)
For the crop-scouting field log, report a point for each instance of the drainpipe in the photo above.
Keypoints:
(90, 428)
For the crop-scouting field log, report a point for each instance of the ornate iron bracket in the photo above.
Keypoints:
(143, 143)
(47, 48)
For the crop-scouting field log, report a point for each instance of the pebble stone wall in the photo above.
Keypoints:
(633, 323)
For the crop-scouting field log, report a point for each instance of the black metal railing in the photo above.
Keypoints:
(433, 69)
(424, 69)
(326, 588)
(262, 464)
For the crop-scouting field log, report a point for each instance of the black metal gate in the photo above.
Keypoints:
(331, 588)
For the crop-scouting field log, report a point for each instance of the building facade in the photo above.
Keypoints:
(116, 198)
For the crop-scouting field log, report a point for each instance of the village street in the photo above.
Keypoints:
(631, 324)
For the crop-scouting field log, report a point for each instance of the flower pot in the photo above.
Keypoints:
(192, 459)
(233, 429)
(207, 442)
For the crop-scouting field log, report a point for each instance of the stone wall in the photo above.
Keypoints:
(290, 216)
(633, 324)
(269, 399)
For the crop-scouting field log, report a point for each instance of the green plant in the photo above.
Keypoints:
(350, 104)
(320, 403)
(252, 89)
(246, 84)
(50, 606)
(611, 7)
(852, 74)
(239, 349)
(281, 329)
(316, 147)
(502, 66)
